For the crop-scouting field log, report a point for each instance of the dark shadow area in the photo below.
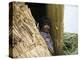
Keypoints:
(38, 10)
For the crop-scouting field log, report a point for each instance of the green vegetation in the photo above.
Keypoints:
(70, 45)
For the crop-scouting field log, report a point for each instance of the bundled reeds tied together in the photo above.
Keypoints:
(24, 37)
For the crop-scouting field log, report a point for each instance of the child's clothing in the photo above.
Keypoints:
(48, 39)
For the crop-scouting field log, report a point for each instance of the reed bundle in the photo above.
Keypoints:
(25, 39)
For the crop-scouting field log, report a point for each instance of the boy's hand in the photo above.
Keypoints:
(51, 50)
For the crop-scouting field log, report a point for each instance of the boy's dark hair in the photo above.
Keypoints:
(44, 21)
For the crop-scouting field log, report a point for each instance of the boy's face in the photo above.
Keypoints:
(46, 28)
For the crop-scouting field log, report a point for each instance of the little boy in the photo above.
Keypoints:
(45, 32)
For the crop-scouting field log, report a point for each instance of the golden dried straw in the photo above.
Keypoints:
(26, 39)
